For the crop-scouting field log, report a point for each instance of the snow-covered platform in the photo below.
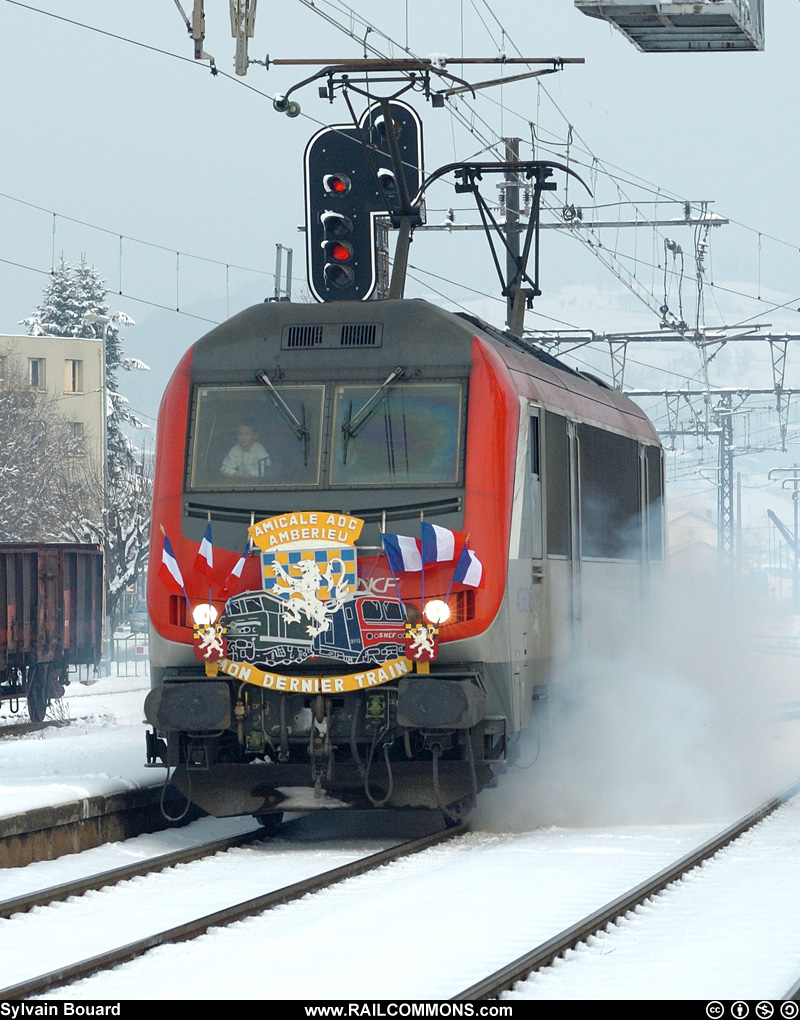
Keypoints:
(45, 833)
(62, 788)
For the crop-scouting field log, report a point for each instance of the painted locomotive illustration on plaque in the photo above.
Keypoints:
(312, 583)
(308, 607)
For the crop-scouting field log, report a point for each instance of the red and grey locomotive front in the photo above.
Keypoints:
(312, 436)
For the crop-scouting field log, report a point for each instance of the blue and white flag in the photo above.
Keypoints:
(169, 571)
(469, 569)
(402, 552)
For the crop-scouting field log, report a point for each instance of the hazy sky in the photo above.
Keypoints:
(140, 146)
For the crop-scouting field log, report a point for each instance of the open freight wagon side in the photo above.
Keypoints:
(51, 619)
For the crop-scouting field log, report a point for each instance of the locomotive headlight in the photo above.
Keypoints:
(204, 613)
(437, 612)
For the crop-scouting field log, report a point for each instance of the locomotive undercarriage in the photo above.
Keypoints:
(422, 742)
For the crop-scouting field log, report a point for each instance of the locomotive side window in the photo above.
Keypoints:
(609, 486)
(557, 484)
(535, 485)
(242, 437)
(410, 432)
(534, 444)
(655, 504)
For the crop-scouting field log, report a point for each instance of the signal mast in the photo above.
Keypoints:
(372, 170)
(361, 175)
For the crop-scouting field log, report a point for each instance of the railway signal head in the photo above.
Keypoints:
(339, 222)
(350, 181)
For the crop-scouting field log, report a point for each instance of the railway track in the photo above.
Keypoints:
(104, 879)
(228, 915)
(543, 955)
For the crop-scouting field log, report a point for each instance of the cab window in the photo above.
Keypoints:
(249, 437)
(408, 432)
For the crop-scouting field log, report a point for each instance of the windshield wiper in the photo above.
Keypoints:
(298, 427)
(355, 422)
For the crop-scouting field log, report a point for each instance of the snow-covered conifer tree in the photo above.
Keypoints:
(74, 304)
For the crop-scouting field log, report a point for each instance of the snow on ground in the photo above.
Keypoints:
(98, 920)
(618, 782)
(101, 751)
(72, 867)
(424, 927)
(726, 931)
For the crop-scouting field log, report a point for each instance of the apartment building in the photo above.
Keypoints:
(70, 370)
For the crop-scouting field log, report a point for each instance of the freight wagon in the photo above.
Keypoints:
(51, 619)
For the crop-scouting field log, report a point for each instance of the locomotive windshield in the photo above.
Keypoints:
(270, 436)
(245, 437)
(409, 432)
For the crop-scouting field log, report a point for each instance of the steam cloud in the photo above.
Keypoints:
(686, 718)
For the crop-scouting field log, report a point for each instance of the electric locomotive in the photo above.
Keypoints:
(325, 432)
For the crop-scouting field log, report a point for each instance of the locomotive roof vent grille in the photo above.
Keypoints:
(331, 335)
(360, 334)
(303, 336)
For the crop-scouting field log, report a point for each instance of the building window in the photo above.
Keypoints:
(77, 433)
(36, 373)
(73, 376)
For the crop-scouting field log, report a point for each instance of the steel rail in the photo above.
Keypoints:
(79, 886)
(223, 917)
(543, 955)
(793, 995)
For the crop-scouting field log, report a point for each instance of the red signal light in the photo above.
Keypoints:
(336, 184)
(340, 252)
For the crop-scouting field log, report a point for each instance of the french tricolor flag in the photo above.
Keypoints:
(235, 575)
(204, 561)
(169, 571)
(440, 544)
(402, 552)
(469, 569)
